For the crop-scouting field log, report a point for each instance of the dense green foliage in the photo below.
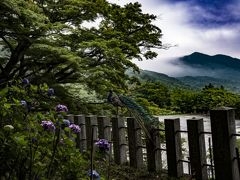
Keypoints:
(164, 79)
(30, 150)
(198, 82)
(167, 95)
(54, 42)
(157, 96)
(202, 101)
(156, 93)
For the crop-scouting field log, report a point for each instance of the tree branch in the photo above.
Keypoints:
(63, 70)
(17, 55)
(8, 43)
(65, 76)
(97, 63)
(2, 69)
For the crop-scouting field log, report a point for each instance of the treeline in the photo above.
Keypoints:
(155, 94)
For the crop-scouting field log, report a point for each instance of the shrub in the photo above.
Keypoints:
(33, 142)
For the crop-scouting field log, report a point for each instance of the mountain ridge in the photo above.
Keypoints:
(222, 64)
(219, 70)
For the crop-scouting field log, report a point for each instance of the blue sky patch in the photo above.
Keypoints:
(212, 13)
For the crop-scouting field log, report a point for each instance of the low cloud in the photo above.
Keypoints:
(181, 26)
(174, 68)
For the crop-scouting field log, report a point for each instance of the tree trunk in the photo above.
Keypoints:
(16, 55)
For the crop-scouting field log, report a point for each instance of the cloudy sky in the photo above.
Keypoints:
(206, 26)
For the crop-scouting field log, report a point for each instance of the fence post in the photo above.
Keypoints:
(81, 138)
(91, 122)
(197, 150)
(224, 143)
(150, 146)
(135, 143)
(119, 140)
(104, 127)
(104, 131)
(153, 147)
(173, 144)
(158, 152)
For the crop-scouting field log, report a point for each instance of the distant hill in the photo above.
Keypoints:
(214, 62)
(218, 66)
(152, 76)
(188, 82)
(219, 70)
(198, 82)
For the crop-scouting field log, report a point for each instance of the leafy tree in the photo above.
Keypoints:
(211, 97)
(203, 101)
(155, 92)
(183, 100)
(48, 41)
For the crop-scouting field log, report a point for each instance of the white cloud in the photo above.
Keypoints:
(175, 20)
(216, 34)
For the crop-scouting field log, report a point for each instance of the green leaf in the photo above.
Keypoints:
(21, 140)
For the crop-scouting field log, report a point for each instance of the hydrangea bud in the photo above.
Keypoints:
(75, 128)
(25, 81)
(48, 125)
(95, 174)
(66, 123)
(34, 140)
(50, 92)
(24, 103)
(103, 144)
(8, 127)
(61, 108)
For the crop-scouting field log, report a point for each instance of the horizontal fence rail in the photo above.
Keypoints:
(130, 146)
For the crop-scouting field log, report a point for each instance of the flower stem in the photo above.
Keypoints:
(91, 156)
(54, 151)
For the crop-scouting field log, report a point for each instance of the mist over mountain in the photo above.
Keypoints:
(199, 70)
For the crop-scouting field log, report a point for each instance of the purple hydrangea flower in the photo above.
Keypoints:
(94, 173)
(50, 92)
(61, 108)
(103, 144)
(48, 125)
(25, 81)
(75, 128)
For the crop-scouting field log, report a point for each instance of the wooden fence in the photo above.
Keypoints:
(129, 146)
